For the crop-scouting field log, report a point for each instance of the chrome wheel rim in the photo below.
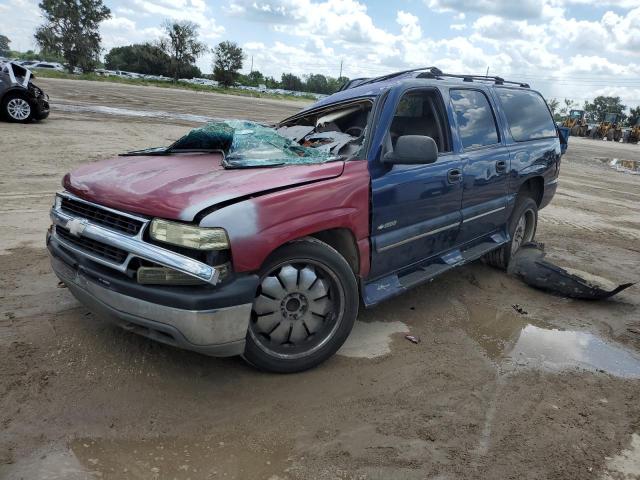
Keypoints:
(298, 308)
(19, 109)
(524, 230)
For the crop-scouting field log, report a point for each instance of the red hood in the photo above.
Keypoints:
(179, 186)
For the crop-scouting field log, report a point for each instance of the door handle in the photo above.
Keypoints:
(454, 175)
(501, 166)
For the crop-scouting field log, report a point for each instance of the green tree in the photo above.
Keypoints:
(316, 83)
(140, 58)
(335, 84)
(289, 81)
(4, 45)
(227, 62)
(553, 106)
(71, 30)
(567, 106)
(255, 78)
(182, 46)
(271, 82)
(602, 105)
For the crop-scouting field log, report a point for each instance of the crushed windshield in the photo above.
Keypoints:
(324, 137)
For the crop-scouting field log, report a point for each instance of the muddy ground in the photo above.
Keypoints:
(487, 393)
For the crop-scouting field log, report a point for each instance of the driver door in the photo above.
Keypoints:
(415, 208)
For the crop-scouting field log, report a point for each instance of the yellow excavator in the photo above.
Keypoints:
(633, 134)
(609, 128)
(576, 122)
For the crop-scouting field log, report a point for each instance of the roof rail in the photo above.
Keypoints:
(432, 70)
(471, 78)
(429, 72)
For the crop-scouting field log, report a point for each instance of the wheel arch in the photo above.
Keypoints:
(534, 188)
(344, 242)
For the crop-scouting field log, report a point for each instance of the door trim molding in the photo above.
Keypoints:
(495, 210)
(417, 237)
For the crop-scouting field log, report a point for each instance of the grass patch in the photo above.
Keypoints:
(179, 85)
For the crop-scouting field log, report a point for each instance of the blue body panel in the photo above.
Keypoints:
(421, 223)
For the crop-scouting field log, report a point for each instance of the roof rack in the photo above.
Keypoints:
(436, 73)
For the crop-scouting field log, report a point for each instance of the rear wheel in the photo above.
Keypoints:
(522, 229)
(304, 309)
(16, 108)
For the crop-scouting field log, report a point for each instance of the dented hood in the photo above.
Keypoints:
(181, 185)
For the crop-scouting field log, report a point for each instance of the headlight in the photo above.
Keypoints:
(188, 235)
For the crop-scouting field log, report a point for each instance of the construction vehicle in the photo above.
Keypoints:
(576, 122)
(632, 135)
(609, 128)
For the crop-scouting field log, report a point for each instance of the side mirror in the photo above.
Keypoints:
(413, 149)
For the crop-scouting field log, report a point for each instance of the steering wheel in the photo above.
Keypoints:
(357, 131)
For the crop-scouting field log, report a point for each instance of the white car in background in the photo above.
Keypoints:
(47, 66)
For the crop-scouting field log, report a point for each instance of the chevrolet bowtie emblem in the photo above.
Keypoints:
(76, 226)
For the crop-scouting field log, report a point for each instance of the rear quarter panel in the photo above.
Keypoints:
(259, 225)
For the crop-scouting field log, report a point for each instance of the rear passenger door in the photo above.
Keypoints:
(486, 164)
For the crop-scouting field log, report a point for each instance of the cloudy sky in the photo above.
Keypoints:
(565, 48)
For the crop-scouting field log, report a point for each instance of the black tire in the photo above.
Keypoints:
(525, 207)
(327, 332)
(7, 111)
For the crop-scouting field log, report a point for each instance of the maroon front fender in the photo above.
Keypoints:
(258, 226)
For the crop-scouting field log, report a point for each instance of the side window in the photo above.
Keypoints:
(475, 118)
(420, 113)
(527, 114)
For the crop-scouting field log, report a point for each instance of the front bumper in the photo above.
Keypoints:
(216, 331)
(211, 317)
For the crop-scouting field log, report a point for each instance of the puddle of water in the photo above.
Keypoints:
(371, 339)
(622, 165)
(126, 112)
(625, 465)
(557, 349)
(520, 340)
(626, 166)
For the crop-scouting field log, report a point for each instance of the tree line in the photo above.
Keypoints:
(71, 33)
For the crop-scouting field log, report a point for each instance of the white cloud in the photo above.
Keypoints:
(502, 8)
(195, 11)
(410, 25)
(19, 21)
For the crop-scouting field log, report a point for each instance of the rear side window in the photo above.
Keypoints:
(475, 118)
(527, 114)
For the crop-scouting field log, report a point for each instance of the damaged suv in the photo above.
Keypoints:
(242, 239)
(20, 100)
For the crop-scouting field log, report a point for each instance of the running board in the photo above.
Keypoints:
(390, 286)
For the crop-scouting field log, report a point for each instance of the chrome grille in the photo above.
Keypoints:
(94, 247)
(101, 216)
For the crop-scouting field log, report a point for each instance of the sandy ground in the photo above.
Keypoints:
(487, 393)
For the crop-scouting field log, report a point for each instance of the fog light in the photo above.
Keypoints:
(165, 276)
(168, 276)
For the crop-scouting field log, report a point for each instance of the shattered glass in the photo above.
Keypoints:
(250, 144)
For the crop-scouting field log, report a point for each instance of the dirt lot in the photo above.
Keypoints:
(487, 393)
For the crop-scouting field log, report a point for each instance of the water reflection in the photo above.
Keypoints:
(512, 339)
(557, 349)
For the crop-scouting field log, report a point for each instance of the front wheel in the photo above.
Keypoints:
(16, 108)
(522, 229)
(304, 309)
